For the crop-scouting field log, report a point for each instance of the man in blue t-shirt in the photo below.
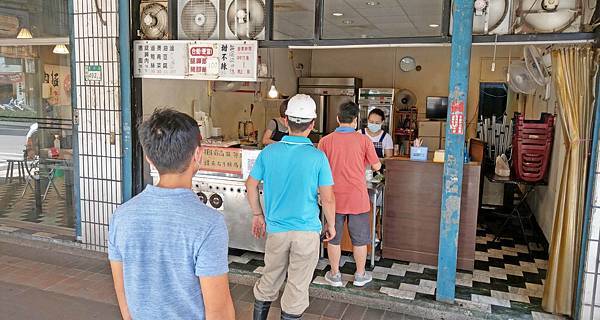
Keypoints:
(294, 174)
(167, 250)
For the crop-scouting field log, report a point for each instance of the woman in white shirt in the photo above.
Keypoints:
(384, 146)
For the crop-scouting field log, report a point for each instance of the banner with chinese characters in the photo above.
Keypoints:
(225, 60)
(57, 79)
(218, 159)
(457, 117)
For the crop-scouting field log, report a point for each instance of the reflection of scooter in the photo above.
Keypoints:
(14, 104)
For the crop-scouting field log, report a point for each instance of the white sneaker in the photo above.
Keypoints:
(361, 280)
(334, 280)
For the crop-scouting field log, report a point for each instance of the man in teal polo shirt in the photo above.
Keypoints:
(294, 174)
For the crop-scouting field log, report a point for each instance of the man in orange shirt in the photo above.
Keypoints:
(349, 152)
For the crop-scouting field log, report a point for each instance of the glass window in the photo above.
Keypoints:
(293, 19)
(351, 19)
(36, 116)
(33, 19)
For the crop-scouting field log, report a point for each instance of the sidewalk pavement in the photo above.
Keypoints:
(39, 281)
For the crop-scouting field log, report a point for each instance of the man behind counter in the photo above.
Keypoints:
(167, 250)
(293, 172)
(348, 152)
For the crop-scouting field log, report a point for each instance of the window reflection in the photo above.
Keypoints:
(36, 167)
(293, 19)
(351, 19)
(25, 19)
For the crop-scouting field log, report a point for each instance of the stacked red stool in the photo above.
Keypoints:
(531, 147)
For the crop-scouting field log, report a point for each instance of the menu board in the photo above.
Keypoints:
(225, 160)
(159, 59)
(226, 60)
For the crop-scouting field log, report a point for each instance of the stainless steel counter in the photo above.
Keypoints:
(227, 194)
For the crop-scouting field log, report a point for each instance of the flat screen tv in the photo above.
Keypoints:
(436, 108)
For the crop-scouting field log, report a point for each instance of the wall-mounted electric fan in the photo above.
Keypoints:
(491, 16)
(154, 20)
(545, 16)
(405, 99)
(519, 78)
(198, 19)
(538, 67)
(245, 19)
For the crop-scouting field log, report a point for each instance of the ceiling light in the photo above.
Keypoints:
(434, 25)
(348, 21)
(24, 33)
(337, 14)
(60, 49)
(373, 3)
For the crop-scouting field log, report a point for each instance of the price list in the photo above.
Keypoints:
(226, 60)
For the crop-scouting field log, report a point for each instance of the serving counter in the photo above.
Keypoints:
(411, 223)
(227, 194)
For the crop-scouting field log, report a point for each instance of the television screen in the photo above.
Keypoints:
(436, 107)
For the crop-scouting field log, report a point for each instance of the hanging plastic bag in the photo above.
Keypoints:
(502, 167)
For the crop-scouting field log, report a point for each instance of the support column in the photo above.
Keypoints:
(462, 12)
(98, 114)
(125, 98)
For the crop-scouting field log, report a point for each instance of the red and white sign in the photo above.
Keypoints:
(457, 117)
(201, 51)
(226, 60)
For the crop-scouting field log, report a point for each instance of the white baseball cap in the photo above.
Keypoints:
(301, 109)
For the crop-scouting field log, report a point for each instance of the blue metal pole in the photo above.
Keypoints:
(75, 131)
(125, 79)
(462, 27)
(588, 199)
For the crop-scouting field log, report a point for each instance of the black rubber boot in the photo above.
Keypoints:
(287, 316)
(261, 309)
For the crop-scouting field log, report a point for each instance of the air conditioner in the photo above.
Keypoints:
(245, 19)
(491, 17)
(198, 19)
(549, 16)
(154, 20)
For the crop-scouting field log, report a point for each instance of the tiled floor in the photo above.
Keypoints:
(55, 209)
(37, 283)
(507, 280)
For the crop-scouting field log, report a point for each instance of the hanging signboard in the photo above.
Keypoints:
(225, 60)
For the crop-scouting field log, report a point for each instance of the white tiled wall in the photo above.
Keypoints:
(99, 113)
(591, 281)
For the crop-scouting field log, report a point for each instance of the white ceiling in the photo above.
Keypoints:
(294, 19)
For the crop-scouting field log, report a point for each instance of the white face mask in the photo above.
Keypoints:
(374, 127)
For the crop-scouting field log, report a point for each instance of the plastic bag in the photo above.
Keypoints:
(502, 167)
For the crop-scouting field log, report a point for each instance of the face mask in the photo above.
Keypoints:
(374, 127)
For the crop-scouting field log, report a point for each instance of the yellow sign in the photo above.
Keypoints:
(218, 159)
